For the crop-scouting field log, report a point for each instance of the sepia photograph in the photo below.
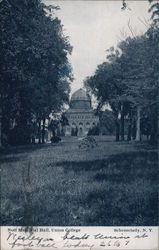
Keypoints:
(79, 115)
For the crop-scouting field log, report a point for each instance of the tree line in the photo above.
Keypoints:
(34, 69)
(128, 82)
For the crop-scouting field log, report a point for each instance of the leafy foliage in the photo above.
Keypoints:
(35, 72)
(107, 122)
(128, 80)
(94, 130)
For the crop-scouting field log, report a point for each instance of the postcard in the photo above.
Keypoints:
(79, 124)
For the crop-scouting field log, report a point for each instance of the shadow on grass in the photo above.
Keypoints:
(118, 160)
(22, 149)
(9, 159)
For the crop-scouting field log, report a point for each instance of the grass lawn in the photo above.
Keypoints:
(114, 183)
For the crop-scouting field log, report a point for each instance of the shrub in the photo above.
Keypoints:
(88, 142)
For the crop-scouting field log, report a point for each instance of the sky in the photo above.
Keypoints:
(95, 26)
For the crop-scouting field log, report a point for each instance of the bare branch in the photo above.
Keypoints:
(143, 22)
(131, 29)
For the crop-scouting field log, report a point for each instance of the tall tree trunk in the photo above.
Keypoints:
(129, 127)
(154, 132)
(0, 128)
(122, 122)
(138, 132)
(39, 131)
(134, 129)
(43, 131)
(117, 128)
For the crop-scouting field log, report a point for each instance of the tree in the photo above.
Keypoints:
(128, 83)
(107, 86)
(107, 122)
(53, 125)
(142, 76)
(95, 130)
(35, 72)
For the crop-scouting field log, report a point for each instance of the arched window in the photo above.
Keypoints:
(81, 124)
(73, 125)
(87, 125)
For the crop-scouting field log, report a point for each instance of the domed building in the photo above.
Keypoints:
(80, 115)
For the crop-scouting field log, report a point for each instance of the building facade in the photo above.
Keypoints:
(80, 115)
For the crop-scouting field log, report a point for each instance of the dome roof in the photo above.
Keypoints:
(80, 94)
